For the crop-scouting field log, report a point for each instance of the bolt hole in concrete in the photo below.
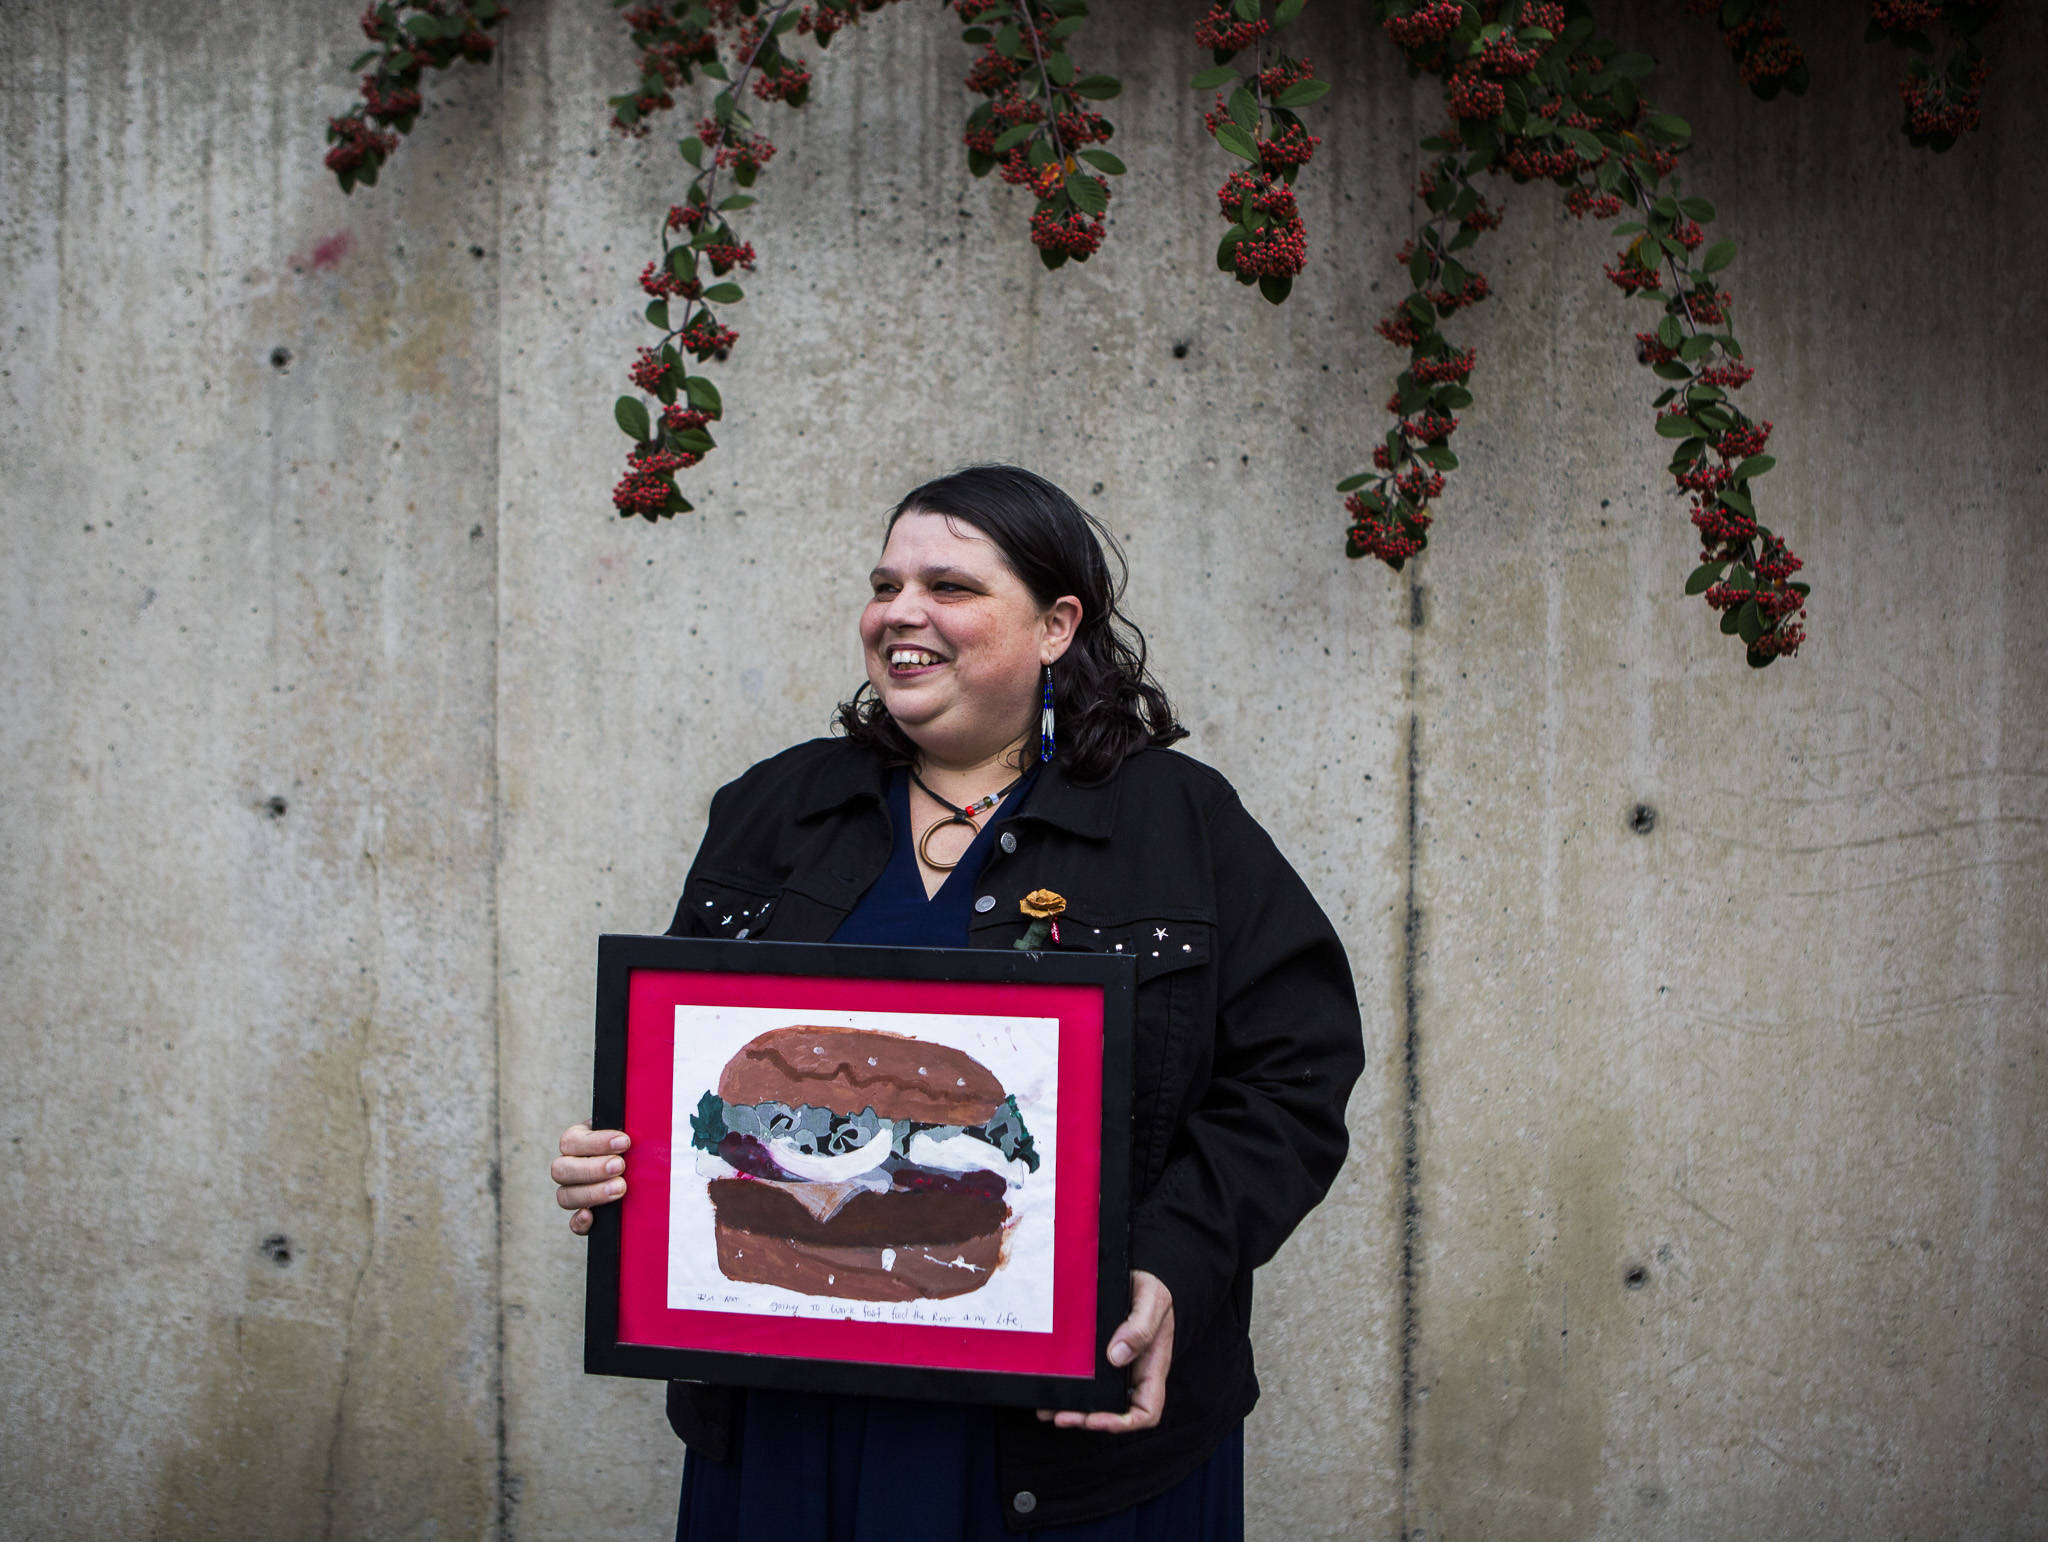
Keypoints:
(280, 357)
(277, 1247)
(1180, 350)
(1636, 1278)
(275, 807)
(1643, 819)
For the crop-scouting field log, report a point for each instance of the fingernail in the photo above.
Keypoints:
(614, 1166)
(621, 1142)
(1119, 1353)
(615, 1188)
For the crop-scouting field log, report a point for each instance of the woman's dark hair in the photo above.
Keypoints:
(1107, 706)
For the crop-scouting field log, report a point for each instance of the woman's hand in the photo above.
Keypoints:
(1144, 1342)
(588, 1172)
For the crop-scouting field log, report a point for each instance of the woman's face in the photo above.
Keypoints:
(954, 641)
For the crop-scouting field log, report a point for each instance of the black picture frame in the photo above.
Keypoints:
(696, 965)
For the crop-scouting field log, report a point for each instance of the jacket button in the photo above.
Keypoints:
(1025, 1502)
(985, 904)
(1008, 841)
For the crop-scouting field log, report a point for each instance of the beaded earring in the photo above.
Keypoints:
(1045, 740)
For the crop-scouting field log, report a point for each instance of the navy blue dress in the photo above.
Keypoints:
(863, 1469)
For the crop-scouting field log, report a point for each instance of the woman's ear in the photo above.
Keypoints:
(1061, 621)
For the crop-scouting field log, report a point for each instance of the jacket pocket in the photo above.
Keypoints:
(716, 906)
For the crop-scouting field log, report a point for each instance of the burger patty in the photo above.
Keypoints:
(867, 1220)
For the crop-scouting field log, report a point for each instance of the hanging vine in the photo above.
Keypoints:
(1533, 93)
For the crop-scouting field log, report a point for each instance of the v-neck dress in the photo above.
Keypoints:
(876, 1469)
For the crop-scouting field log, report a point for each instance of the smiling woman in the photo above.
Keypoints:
(1009, 745)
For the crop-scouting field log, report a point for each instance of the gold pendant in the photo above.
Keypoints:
(925, 856)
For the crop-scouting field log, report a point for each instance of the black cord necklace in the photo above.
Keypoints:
(956, 814)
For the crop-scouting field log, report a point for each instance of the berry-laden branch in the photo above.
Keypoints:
(1267, 243)
(1941, 100)
(676, 40)
(1536, 96)
(411, 37)
(1753, 32)
(1036, 127)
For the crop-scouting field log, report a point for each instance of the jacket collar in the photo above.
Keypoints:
(1084, 809)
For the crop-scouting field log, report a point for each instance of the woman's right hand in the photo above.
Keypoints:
(587, 1173)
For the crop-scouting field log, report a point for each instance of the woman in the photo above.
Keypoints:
(945, 800)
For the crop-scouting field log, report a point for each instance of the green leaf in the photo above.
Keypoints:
(1226, 249)
(423, 26)
(724, 294)
(1244, 110)
(1247, 10)
(1302, 92)
(1067, 28)
(1749, 622)
(1453, 397)
(1052, 259)
(1089, 195)
(632, 415)
(737, 201)
(1695, 348)
(1637, 67)
(682, 262)
(1010, 42)
(1667, 332)
(1418, 267)
(1729, 622)
(723, 108)
(1704, 577)
(693, 151)
(1209, 80)
(1014, 136)
(1671, 369)
(1697, 208)
(1287, 11)
(1738, 500)
(1237, 142)
(1669, 127)
(657, 313)
(1059, 68)
(1755, 466)
(1097, 88)
(1275, 287)
(1677, 426)
(1102, 160)
(704, 395)
(1352, 484)
(1718, 256)
(362, 59)
(1440, 456)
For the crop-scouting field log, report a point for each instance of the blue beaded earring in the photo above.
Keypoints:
(1045, 743)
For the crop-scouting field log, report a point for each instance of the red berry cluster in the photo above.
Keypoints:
(1225, 32)
(1765, 55)
(1420, 30)
(1255, 120)
(410, 38)
(1035, 126)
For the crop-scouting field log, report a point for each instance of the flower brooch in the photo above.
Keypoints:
(1043, 906)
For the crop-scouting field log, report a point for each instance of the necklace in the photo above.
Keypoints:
(956, 814)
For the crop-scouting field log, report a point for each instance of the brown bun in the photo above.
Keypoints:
(850, 1070)
(914, 1272)
(898, 1218)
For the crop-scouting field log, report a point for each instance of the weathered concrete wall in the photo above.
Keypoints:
(340, 716)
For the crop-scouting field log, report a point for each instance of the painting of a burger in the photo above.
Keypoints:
(860, 1164)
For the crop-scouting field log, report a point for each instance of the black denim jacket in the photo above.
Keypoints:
(1247, 1043)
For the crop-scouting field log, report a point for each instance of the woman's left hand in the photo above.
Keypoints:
(1144, 1342)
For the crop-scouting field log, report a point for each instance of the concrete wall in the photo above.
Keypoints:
(340, 715)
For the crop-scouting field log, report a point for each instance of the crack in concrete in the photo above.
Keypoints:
(1411, 1043)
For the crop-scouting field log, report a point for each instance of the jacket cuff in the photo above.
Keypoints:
(1181, 1263)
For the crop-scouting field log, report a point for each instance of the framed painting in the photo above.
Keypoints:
(901, 1171)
